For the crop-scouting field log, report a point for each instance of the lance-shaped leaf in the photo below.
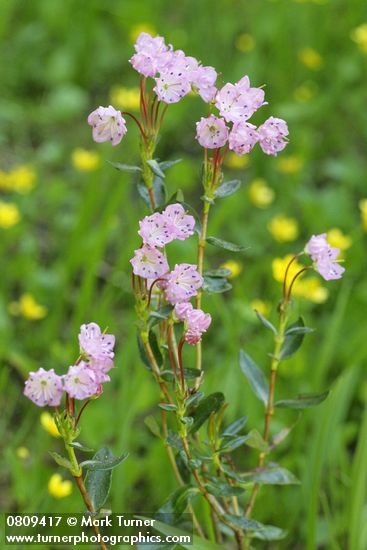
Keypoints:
(220, 243)
(216, 285)
(256, 441)
(221, 489)
(255, 377)
(206, 407)
(153, 425)
(235, 426)
(293, 339)
(165, 164)
(230, 444)
(154, 165)
(273, 475)
(178, 501)
(228, 188)
(265, 322)
(303, 401)
(221, 273)
(98, 482)
(81, 447)
(125, 167)
(189, 374)
(159, 189)
(256, 529)
(105, 461)
(61, 460)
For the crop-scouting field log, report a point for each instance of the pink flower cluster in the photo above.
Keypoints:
(196, 322)
(175, 73)
(83, 379)
(236, 104)
(150, 263)
(324, 257)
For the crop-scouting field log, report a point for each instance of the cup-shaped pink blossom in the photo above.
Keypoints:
(108, 125)
(80, 382)
(156, 230)
(149, 263)
(317, 245)
(272, 135)
(44, 388)
(172, 85)
(324, 257)
(182, 223)
(151, 56)
(243, 138)
(182, 283)
(94, 343)
(211, 132)
(239, 101)
(203, 81)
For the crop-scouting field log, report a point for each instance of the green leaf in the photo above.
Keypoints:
(220, 243)
(167, 407)
(173, 440)
(232, 444)
(221, 489)
(215, 285)
(293, 339)
(159, 192)
(256, 441)
(206, 407)
(164, 165)
(98, 482)
(162, 313)
(153, 425)
(61, 460)
(265, 322)
(257, 530)
(220, 273)
(299, 330)
(125, 167)
(179, 500)
(105, 461)
(235, 426)
(189, 374)
(303, 401)
(81, 447)
(142, 352)
(228, 188)
(255, 377)
(156, 168)
(273, 475)
(155, 348)
(193, 400)
(197, 543)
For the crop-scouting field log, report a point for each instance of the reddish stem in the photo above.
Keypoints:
(286, 275)
(179, 353)
(133, 281)
(294, 280)
(151, 289)
(81, 411)
(67, 402)
(171, 356)
(136, 122)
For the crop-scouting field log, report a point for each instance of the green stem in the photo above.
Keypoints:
(201, 251)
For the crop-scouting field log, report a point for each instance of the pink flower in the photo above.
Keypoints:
(239, 101)
(80, 382)
(156, 230)
(94, 343)
(100, 367)
(149, 263)
(203, 81)
(325, 257)
(182, 283)
(272, 135)
(243, 138)
(152, 54)
(44, 388)
(108, 125)
(196, 322)
(182, 223)
(211, 132)
(172, 85)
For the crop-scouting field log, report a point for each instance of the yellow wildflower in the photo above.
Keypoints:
(260, 194)
(283, 229)
(9, 214)
(22, 452)
(363, 208)
(125, 98)
(305, 92)
(59, 488)
(22, 178)
(234, 267)
(263, 308)
(28, 308)
(336, 238)
(359, 36)
(235, 162)
(279, 266)
(311, 59)
(5, 181)
(48, 424)
(85, 161)
(311, 289)
(141, 27)
(290, 164)
(245, 42)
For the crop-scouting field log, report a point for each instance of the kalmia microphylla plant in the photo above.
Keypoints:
(168, 303)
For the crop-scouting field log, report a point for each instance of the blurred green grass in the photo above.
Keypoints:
(72, 246)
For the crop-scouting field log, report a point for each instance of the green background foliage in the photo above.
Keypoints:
(71, 249)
